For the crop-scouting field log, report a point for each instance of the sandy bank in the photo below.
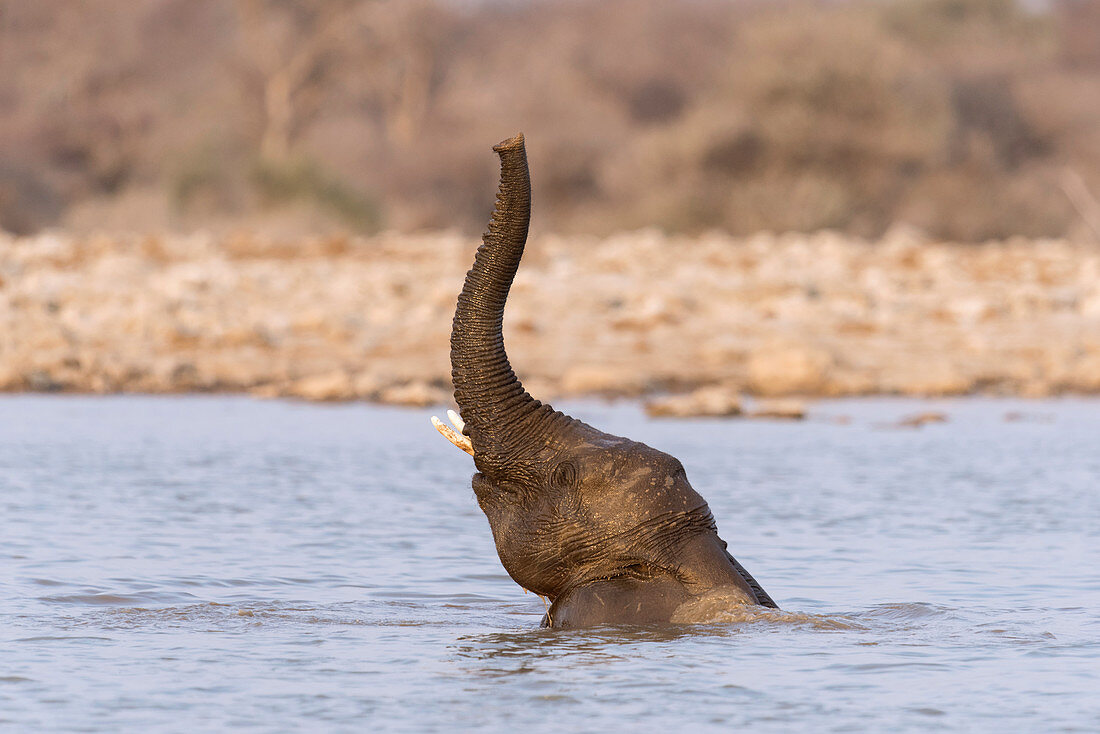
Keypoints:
(631, 315)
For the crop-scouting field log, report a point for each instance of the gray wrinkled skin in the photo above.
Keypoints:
(608, 529)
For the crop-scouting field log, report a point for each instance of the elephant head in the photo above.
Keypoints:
(608, 529)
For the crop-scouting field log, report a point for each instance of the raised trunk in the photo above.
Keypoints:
(499, 414)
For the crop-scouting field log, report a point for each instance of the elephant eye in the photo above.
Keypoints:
(565, 475)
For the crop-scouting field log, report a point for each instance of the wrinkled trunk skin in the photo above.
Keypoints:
(500, 415)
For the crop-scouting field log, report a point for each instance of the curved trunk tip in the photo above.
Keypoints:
(513, 143)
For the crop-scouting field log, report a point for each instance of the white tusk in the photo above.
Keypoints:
(462, 442)
(456, 420)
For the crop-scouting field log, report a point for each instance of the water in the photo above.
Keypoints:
(183, 564)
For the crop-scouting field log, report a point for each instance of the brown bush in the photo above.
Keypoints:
(958, 116)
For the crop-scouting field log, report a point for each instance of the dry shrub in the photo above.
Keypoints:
(954, 115)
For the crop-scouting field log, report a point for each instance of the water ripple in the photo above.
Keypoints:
(198, 564)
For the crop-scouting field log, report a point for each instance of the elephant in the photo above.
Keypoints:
(607, 529)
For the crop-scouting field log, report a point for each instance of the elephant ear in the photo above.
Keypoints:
(498, 415)
(762, 597)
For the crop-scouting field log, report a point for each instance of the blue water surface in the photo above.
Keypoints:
(205, 563)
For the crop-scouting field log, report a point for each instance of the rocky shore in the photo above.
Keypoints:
(706, 319)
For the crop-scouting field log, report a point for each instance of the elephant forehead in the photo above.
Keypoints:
(630, 463)
(580, 442)
(634, 492)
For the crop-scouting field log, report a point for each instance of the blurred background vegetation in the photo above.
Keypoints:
(970, 119)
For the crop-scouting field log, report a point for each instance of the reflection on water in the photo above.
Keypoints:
(201, 563)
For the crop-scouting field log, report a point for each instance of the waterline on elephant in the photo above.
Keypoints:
(723, 606)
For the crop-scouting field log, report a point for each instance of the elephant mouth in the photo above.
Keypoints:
(635, 570)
